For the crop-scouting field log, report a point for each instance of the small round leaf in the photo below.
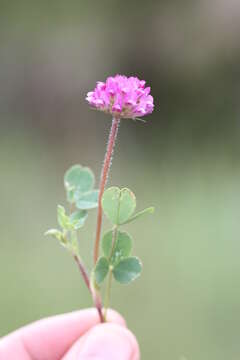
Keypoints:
(118, 205)
(88, 200)
(77, 219)
(122, 248)
(101, 270)
(78, 177)
(110, 203)
(127, 270)
(107, 243)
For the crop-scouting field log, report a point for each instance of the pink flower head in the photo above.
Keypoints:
(122, 96)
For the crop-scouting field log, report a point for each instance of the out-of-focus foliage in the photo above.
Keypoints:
(184, 161)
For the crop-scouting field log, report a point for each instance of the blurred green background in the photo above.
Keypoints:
(184, 161)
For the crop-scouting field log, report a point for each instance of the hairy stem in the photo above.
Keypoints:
(95, 296)
(103, 181)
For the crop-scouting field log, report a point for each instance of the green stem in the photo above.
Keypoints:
(108, 294)
(109, 282)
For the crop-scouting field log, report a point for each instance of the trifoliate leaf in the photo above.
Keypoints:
(101, 270)
(127, 270)
(88, 200)
(118, 205)
(122, 248)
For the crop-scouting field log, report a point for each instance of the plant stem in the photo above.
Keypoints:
(83, 270)
(109, 282)
(95, 295)
(98, 304)
(103, 181)
(107, 294)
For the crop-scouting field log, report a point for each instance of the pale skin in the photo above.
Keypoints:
(74, 336)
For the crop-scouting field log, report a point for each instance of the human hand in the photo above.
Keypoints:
(72, 336)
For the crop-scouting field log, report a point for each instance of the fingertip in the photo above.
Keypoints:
(114, 317)
(105, 341)
(53, 337)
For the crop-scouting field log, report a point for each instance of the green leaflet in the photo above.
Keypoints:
(122, 248)
(118, 205)
(79, 177)
(127, 270)
(101, 270)
(88, 200)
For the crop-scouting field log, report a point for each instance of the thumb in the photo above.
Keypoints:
(105, 342)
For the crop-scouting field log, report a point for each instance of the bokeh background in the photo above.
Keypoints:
(184, 161)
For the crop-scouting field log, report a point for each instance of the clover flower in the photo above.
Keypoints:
(122, 97)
